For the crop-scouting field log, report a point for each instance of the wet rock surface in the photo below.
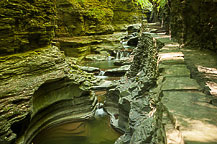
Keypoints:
(96, 57)
(123, 61)
(103, 85)
(19, 93)
(134, 114)
(117, 71)
(133, 28)
(81, 46)
(160, 102)
(95, 17)
(90, 69)
(133, 41)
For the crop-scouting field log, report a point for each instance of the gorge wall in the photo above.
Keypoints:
(25, 25)
(33, 73)
(192, 22)
(39, 86)
(90, 17)
(134, 107)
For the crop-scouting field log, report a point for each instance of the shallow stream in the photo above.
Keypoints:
(95, 131)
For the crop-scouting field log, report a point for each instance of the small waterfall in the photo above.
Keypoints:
(128, 54)
(124, 44)
(109, 58)
(101, 73)
(121, 54)
(117, 55)
(100, 111)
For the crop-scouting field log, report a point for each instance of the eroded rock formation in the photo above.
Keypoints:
(35, 77)
(131, 104)
(87, 17)
(192, 22)
(25, 25)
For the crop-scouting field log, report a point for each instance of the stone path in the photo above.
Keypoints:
(187, 114)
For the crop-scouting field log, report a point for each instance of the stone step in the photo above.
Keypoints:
(170, 55)
(179, 83)
(171, 58)
(188, 116)
(168, 49)
(174, 70)
(193, 116)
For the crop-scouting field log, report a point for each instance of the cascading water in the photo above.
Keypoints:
(109, 58)
(121, 54)
(124, 44)
(100, 111)
(117, 55)
(128, 54)
(101, 73)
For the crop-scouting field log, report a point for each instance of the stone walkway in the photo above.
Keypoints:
(187, 114)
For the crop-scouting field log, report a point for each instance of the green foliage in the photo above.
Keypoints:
(160, 3)
(97, 13)
(148, 4)
(81, 1)
(145, 4)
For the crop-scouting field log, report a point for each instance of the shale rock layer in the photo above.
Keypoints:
(25, 25)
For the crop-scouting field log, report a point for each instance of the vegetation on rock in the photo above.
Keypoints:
(91, 17)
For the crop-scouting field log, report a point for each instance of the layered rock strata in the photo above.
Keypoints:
(35, 81)
(131, 105)
(88, 17)
(39, 87)
(192, 22)
(158, 101)
(25, 25)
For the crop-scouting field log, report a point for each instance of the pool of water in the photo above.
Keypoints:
(103, 65)
(97, 131)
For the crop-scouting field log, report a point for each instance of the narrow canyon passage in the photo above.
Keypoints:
(108, 72)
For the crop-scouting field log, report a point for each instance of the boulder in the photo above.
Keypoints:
(133, 41)
(90, 69)
(133, 28)
(104, 85)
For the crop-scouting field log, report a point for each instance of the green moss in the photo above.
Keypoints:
(25, 26)
(88, 17)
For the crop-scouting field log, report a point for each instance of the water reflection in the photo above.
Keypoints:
(101, 64)
(97, 131)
